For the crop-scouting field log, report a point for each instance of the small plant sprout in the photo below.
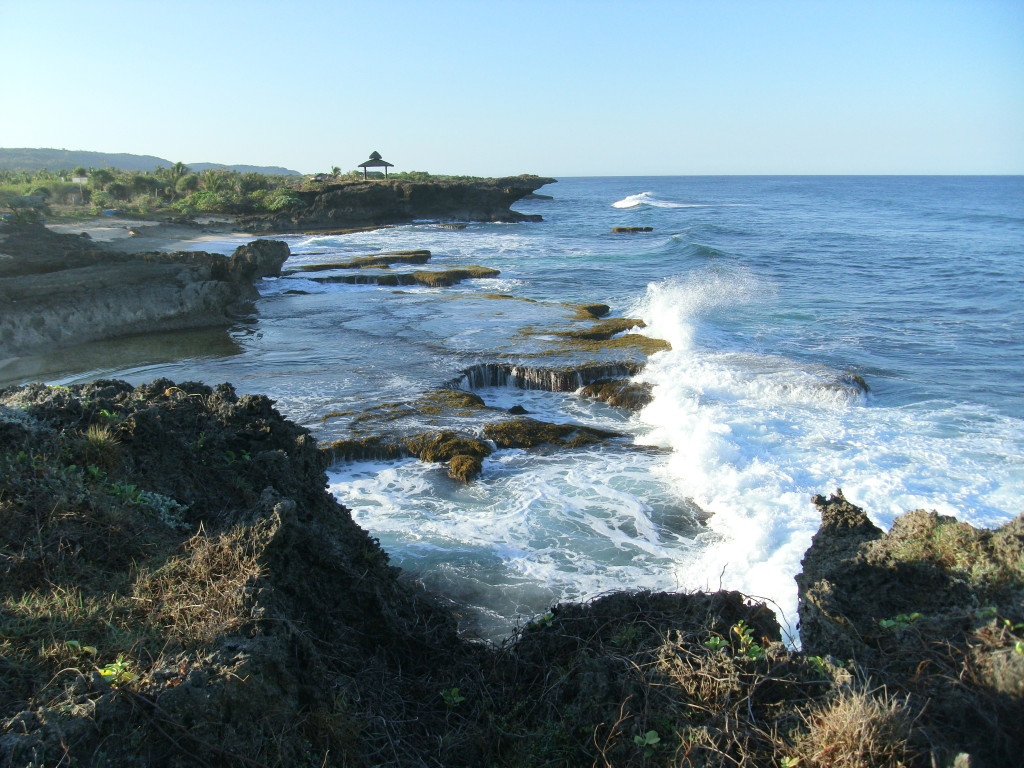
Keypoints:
(118, 672)
(819, 662)
(648, 742)
(789, 762)
(74, 645)
(716, 643)
(747, 645)
(900, 621)
(452, 697)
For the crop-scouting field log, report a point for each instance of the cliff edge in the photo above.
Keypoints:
(390, 201)
(179, 588)
(60, 290)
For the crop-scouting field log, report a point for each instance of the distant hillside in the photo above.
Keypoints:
(269, 169)
(64, 159)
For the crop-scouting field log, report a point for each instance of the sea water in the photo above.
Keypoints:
(775, 294)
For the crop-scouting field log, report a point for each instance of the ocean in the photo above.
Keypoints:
(778, 295)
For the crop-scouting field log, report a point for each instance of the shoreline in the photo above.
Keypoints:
(138, 235)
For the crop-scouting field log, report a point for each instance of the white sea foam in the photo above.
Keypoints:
(753, 437)
(647, 198)
(651, 199)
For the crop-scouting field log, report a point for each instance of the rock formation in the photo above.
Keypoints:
(391, 201)
(179, 588)
(933, 609)
(60, 290)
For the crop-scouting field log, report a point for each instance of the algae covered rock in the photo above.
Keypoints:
(524, 432)
(620, 393)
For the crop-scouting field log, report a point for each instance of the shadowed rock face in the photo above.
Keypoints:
(567, 379)
(360, 203)
(934, 609)
(56, 290)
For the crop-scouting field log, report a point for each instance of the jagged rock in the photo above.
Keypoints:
(933, 608)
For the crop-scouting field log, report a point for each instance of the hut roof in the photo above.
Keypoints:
(376, 161)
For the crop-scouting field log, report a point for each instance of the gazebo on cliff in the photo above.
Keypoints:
(376, 161)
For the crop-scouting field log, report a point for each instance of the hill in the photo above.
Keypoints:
(28, 159)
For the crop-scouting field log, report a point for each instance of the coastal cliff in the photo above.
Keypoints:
(179, 587)
(60, 290)
(389, 201)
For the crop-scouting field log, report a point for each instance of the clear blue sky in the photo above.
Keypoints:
(553, 87)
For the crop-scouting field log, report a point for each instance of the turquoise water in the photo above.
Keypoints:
(772, 291)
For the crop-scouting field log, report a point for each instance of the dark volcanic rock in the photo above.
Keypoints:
(391, 201)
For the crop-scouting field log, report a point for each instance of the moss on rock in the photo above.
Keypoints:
(620, 393)
(523, 432)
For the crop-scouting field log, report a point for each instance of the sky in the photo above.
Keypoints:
(552, 87)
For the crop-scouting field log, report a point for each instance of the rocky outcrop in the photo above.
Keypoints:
(566, 379)
(57, 291)
(179, 588)
(391, 201)
(934, 609)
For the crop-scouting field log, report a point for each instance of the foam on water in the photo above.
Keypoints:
(651, 199)
(535, 529)
(754, 436)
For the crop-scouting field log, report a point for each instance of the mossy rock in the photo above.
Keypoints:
(385, 259)
(444, 445)
(365, 449)
(431, 279)
(636, 342)
(449, 277)
(530, 433)
(631, 230)
(590, 311)
(619, 393)
(604, 329)
(464, 468)
(449, 400)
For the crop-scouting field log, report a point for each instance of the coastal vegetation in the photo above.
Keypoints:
(174, 190)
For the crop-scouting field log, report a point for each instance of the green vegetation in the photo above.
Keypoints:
(171, 190)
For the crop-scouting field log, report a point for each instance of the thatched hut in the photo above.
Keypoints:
(376, 161)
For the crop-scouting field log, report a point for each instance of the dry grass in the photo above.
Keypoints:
(197, 596)
(860, 728)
